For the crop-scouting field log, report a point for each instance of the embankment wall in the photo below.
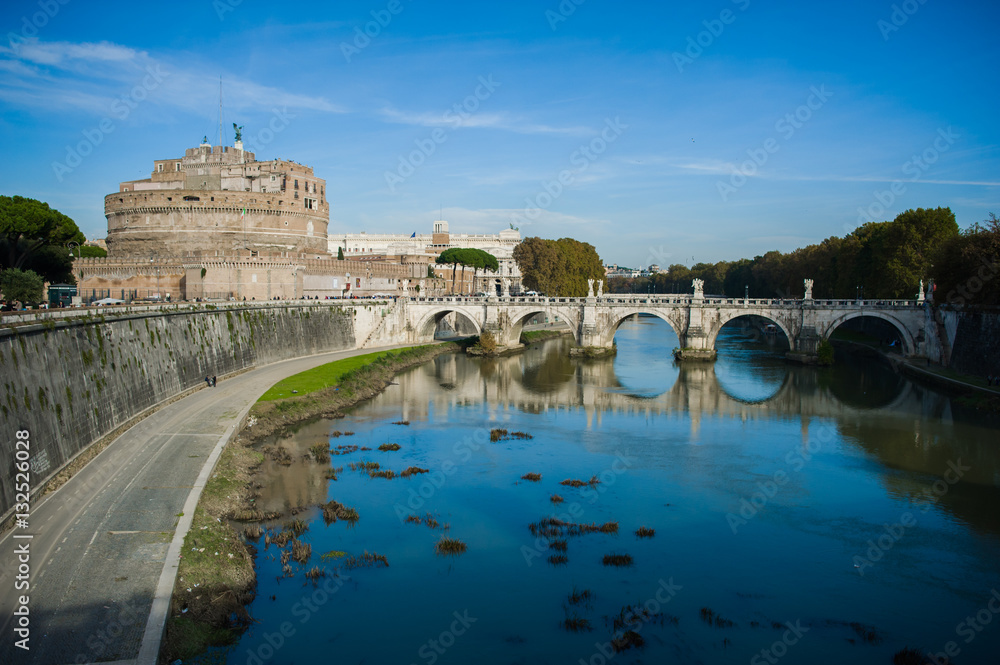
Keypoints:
(70, 382)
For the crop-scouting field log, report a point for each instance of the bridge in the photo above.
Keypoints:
(695, 319)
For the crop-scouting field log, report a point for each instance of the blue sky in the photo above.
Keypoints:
(659, 132)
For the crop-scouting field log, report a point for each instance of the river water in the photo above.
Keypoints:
(823, 515)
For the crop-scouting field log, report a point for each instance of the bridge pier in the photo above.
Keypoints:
(804, 346)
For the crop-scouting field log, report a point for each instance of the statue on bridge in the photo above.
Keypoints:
(590, 288)
(809, 289)
(600, 288)
(505, 283)
(921, 295)
(699, 289)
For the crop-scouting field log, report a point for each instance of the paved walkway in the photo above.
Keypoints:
(104, 550)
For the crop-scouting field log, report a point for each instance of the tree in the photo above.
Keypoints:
(26, 225)
(24, 286)
(452, 256)
(967, 267)
(90, 252)
(340, 253)
(482, 260)
(476, 259)
(558, 267)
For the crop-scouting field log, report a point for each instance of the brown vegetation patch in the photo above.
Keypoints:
(449, 546)
(335, 510)
(617, 560)
(366, 560)
(412, 471)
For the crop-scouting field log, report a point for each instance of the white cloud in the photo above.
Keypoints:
(90, 76)
(501, 121)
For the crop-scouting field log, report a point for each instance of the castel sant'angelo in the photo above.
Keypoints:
(219, 224)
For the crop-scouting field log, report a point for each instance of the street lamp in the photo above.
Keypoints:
(71, 244)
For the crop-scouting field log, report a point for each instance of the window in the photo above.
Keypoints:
(296, 184)
(177, 166)
(159, 168)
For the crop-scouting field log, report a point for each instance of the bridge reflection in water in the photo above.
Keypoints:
(700, 439)
(895, 422)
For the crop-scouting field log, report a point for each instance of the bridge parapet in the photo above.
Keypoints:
(696, 321)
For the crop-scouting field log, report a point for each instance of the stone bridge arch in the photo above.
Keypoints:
(607, 330)
(909, 343)
(513, 319)
(726, 317)
(428, 323)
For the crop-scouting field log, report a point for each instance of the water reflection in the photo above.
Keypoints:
(859, 448)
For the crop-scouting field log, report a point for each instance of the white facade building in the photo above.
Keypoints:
(501, 245)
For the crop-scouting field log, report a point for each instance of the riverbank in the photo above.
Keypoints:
(216, 578)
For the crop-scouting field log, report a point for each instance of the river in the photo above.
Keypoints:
(830, 515)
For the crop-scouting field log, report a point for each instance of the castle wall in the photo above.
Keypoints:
(239, 277)
(150, 223)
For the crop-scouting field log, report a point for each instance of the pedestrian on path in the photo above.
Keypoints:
(208, 381)
(213, 381)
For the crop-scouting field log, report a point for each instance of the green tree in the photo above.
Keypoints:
(21, 285)
(90, 252)
(340, 253)
(558, 267)
(967, 267)
(27, 225)
(481, 260)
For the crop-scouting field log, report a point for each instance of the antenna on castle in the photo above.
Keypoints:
(220, 111)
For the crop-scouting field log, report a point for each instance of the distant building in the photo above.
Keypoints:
(426, 247)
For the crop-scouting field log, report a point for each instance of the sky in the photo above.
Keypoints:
(661, 133)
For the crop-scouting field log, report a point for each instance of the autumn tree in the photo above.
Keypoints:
(558, 267)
